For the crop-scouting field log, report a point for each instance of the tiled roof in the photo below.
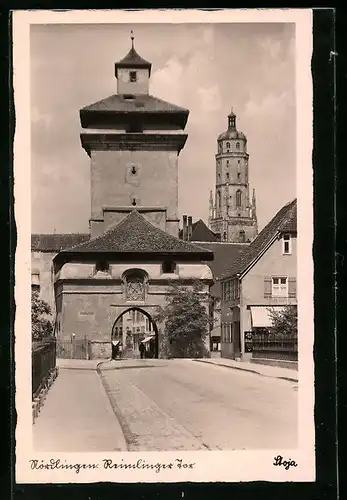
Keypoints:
(200, 232)
(56, 242)
(134, 234)
(225, 255)
(284, 221)
(139, 103)
(133, 60)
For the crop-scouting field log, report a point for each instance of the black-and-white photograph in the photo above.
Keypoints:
(164, 238)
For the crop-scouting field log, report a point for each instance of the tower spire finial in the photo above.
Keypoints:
(132, 38)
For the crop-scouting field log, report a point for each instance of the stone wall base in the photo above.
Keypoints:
(100, 349)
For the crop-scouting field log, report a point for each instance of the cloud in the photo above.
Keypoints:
(40, 119)
(210, 98)
(271, 105)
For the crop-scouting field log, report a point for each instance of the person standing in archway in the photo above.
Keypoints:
(142, 350)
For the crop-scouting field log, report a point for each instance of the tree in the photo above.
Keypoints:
(285, 321)
(185, 322)
(41, 323)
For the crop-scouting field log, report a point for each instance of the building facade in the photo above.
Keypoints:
(261, 279)
(133, 251)
(232, 213)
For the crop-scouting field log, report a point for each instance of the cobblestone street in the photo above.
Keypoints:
(157, 405)
(185, 405)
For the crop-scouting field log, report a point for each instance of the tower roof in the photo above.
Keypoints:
(134, 235)
(232, 134)
(133, 60)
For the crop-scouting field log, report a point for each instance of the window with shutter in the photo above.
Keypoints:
(267, 287)
(292, 287)
(279, 287)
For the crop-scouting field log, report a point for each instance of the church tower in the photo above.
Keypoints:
(232, 214)
(133, 140)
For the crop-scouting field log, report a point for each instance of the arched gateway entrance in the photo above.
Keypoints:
(133, 327)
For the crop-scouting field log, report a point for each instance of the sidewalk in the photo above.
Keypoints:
(264, 370)
(77, 415)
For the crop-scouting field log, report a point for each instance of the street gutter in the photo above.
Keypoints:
(246, 370)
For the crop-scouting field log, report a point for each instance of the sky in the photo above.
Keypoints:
(207, 68)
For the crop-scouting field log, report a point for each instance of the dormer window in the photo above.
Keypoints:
(102, 266)
(168, 267)
(132, 76)
(287, 244)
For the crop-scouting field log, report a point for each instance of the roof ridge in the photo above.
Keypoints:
(135, 213)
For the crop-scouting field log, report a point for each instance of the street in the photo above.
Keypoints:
(187, 405)
(158, 405)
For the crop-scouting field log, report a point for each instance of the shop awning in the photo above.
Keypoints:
(215, 332)
(147, 339)
(261, 317)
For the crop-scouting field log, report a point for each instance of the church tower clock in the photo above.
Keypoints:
(232, 214)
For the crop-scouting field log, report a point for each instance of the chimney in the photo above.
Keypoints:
(185, 228)
(190, 227)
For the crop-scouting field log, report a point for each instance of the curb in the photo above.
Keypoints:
(290, 379)
(126, 432)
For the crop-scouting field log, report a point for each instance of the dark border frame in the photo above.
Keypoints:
(325, 185)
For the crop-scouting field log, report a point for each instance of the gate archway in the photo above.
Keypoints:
(131, 339)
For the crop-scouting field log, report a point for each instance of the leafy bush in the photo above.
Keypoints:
(284, 321)
(185, 322)
(41, 323)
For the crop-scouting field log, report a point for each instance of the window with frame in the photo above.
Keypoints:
(168, 267)
(228, 146)
(102, 266)
(237, 145)
(287, 244)
(132, 76)
(279, 286)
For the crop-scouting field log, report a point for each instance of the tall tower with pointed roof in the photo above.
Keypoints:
(232, 215)
(133, 140)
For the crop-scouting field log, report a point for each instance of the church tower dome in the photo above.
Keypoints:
(232, 215)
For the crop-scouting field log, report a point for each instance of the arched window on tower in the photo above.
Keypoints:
(238, 198)
(228, 146)
(218, 199)
(237, 145)
(242, 236)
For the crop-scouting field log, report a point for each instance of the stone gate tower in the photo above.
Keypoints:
(232, 215)
(133, 140)
(133, 252)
